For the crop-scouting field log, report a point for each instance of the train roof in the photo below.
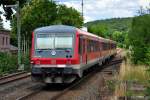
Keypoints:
(92, 35)
(56, 28)
(66, 29)
(95, 36)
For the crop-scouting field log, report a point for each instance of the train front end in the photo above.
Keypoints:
(54, 57)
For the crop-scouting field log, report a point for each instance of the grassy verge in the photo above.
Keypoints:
(129, 76)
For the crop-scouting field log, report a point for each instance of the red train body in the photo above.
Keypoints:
(60, 53)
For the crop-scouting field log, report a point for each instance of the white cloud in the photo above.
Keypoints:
(101, 9)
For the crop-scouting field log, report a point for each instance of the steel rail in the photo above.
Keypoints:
(14, 77)
(85, 77)
(113, 62)
(11, 75)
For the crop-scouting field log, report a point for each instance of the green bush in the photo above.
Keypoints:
(139, 39)
(8, 63)
(26, 61)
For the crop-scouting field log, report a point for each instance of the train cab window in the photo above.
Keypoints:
(44, 42)
(63, 42)
(47, 41)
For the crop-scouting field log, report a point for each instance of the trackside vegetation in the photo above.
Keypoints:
(116, 29)
(8, 63)
(34, 14)
(132, 34)
(39, 13)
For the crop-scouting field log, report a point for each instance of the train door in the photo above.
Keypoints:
(82, 51)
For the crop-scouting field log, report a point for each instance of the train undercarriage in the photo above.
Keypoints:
(54, 75)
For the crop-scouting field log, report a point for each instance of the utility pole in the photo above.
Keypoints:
(82, 4)
(16, 7)
(18, 33)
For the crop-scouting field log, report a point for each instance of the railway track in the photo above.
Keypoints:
(14, 77)
(53, 95)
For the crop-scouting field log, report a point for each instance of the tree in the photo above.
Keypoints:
(115, 29)
(8, 10)
(119, 37)
(69, 16)
(139, 39)
(40, 13)
(36, 14)
(100, 30)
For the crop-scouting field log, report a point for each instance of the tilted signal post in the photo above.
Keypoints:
(16, 7)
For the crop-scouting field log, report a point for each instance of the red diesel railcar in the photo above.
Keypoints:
(60, 53)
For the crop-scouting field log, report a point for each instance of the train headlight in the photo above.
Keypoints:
(32, 62)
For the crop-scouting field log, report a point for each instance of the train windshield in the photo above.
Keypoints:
(63, 42)
(46, 41)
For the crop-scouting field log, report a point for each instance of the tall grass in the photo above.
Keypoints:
(131, 73)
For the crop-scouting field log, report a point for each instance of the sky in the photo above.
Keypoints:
(101, 9)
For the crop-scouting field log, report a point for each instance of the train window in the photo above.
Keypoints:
(82, 46)
(88, 50)
(63, 42)
(45, 42)
(107, 46)
(113, 46)
(97, 46)
(104, 46)
(92, 46)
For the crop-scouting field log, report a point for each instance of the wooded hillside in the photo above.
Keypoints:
(115, 28)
